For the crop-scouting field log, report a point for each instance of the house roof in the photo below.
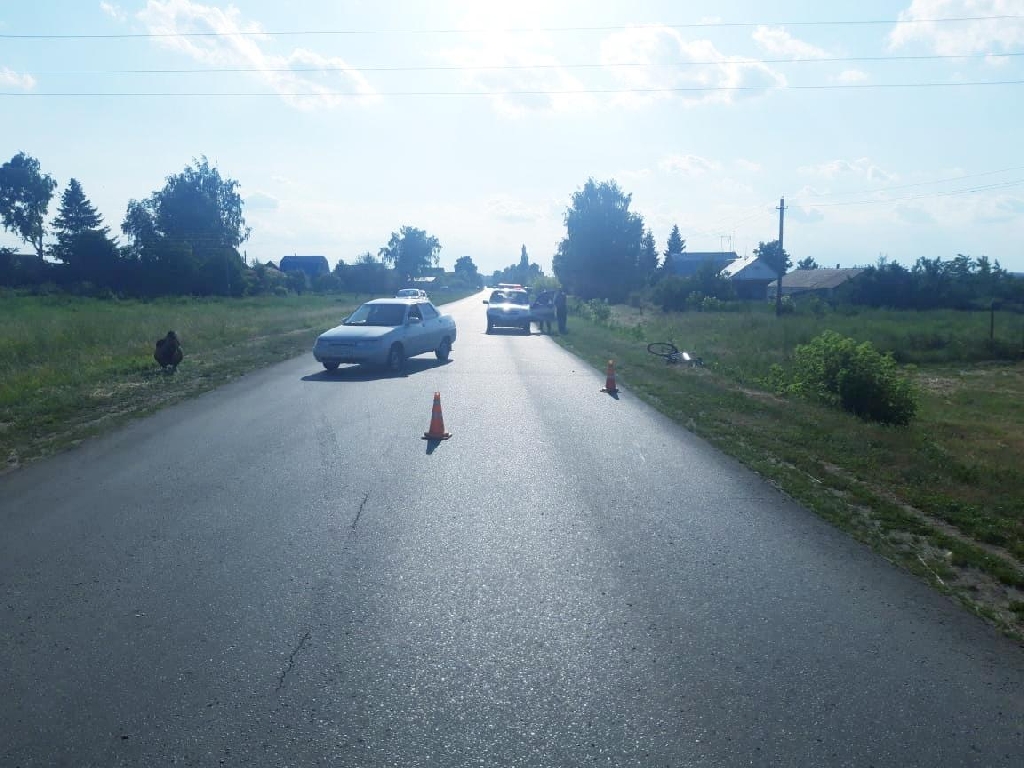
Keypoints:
(749, 268)
(816, 279)
(688, 262)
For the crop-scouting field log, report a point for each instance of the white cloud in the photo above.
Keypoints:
(999, 209)
(10, 78)
(852, 76)
(778, 42)
(259, 201)
(913, 214)
(520, 70)
(637, 175)
(861, 168)
(958, 38)
(747, 165)
(805, 215)
(510, 210)
(113, 11)
(239, 44)
(654, 58)
(687, 165)
(532, 81)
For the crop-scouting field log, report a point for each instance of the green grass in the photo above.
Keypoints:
(944, 496)
(71, 367)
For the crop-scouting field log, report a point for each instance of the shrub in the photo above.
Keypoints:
(670, 293)
(856, 377)
(596, 310)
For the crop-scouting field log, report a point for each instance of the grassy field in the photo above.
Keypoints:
(943, 497)
(71, 367)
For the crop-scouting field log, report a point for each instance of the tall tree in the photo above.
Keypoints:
(808, 263)
(466, 269)
(774, 256)
(648, 259)
(25, 194)
(75, 217)
(187, 235)
(675, 246)
(411, 251)
(599, 255)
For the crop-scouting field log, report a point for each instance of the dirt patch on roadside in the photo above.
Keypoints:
(968, 583)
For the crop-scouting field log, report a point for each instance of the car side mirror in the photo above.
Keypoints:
(485, 301)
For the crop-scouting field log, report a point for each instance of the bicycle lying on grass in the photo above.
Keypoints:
(672, 354)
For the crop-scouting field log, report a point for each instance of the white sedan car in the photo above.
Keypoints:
(508, 309)
(387, 332)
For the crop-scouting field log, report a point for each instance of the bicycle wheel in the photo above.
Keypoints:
(663, 349)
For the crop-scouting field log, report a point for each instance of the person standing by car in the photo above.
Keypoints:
(561, 310)
(543, 311)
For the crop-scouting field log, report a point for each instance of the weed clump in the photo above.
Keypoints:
(836, 370)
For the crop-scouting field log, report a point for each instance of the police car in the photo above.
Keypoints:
(508, 308)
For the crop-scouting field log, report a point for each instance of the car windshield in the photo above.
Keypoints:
(510, 297)
(378, 314)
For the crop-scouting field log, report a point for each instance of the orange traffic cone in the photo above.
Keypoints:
(436, 422)
(609, 386)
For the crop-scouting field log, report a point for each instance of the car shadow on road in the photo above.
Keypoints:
(509, 332)
(370, 373)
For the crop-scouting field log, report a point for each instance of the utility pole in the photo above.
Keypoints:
(782, 257)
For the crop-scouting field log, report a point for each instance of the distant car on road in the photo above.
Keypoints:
(387, 332)
(411, 293)
(508, 309)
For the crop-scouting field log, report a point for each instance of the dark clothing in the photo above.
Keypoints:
(561, 311)
(543, 310)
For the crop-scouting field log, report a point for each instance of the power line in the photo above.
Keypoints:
(538, 92)
(462, 68)
(602, 28)
(916, 184)
(951, 193)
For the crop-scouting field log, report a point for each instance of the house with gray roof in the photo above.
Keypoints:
(812, 282)
(750, 277)
(688, 263)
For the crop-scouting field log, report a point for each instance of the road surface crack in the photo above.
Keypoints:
(291, 660)
(359, 511)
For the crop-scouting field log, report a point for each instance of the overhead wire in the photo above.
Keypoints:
(470, 30)
(797, 198)
(531, 92)
(947, 193)
(516, 67)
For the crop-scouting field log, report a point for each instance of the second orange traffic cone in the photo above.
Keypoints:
(609, 386)
(436, 422)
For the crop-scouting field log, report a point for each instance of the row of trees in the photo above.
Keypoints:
(608, 253)
(523, 272)
(959, 283)
(182, 239)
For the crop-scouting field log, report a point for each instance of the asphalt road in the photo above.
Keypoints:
(283, 573)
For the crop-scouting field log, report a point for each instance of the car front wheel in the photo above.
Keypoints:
(490, 326)
(443, 350)
(396, 359)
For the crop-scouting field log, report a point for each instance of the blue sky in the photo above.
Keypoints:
(930, 170)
